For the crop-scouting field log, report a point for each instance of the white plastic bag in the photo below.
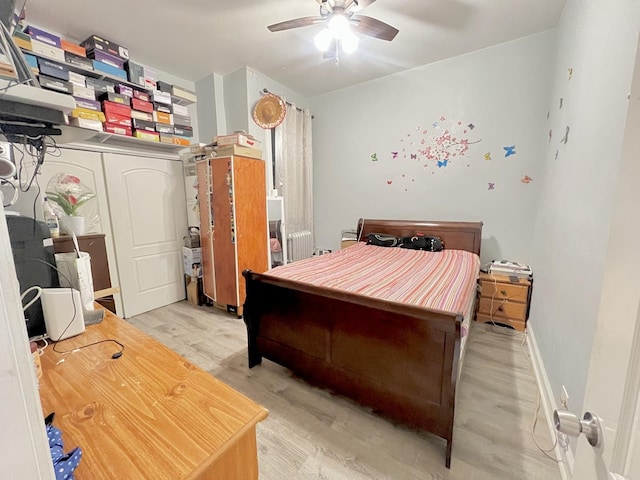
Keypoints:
(78, 272)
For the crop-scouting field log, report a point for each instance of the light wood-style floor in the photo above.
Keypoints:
(312, 434)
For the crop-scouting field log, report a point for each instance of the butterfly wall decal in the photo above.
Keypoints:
(394, 154)
(389, 182)
(491, 186)
(510, 150)
(374, 157)
(414, 156)
(565, 139)
(487, 156)
(570, 70)
(442, 163)
(526, 179)
(471, 126)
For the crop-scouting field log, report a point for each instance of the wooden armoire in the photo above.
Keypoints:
(232, 199)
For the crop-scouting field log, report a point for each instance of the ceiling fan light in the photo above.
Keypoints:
(339, 26)
(323, 40)
(350, 42)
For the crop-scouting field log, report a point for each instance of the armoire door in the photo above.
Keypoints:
(148, 216)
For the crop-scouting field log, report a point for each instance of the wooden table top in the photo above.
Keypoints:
(149, 414)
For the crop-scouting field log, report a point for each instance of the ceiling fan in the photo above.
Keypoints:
(342, 23)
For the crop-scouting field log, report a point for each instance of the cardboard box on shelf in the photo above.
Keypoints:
(117, 129)
(194, 289)
(147, 117)
(84, 92)
(136, 73)
(88, 114)
(107, 58)
(238, 150)
(85, 123)
(237, 138)
(109, 69)
(118, 109)
(149, 136)
(44, 36)
(116, 98)
(73, 48)
(78, 61)
(180, 110)
(47, 50)
(77, 79)
(192, 260)
(141, 105)
(100, 86)
(98, 43)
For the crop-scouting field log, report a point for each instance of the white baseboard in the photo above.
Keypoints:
(548, 404)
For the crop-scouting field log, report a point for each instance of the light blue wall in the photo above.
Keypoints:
(503, 91)
(598, 41)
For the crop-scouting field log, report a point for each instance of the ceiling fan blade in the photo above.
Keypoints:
(295, 23)
(373, 27)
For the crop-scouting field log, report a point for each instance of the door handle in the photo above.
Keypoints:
(569, 424)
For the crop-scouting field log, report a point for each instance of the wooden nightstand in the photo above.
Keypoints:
(504, 301)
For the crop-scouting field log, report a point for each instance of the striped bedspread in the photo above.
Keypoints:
(437, 280)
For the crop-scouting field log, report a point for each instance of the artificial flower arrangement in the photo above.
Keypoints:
(68, 193)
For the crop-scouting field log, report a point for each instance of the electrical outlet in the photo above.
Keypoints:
(564, 398)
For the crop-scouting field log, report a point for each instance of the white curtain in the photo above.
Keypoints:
(294, 169)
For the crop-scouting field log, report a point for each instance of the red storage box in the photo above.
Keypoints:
(120, 120)
(110, 107)
(118, 129)
(141, 105)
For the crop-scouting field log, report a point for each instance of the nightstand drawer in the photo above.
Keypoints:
(502, 308)
(516, 324)
(502, 291)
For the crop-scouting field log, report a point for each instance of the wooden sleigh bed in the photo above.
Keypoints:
(401, 360)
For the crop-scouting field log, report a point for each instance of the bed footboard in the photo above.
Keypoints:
(401, 360)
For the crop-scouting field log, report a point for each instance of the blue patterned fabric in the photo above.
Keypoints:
(63, 464)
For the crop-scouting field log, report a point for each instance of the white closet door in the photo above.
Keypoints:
(148, 216)
(87, 166)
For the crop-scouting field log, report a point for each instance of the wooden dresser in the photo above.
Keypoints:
(94, 245)
(503, 301)
(149, 414)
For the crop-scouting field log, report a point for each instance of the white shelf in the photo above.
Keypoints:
(71, 134)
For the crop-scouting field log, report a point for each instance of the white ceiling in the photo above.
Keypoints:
(193, 38)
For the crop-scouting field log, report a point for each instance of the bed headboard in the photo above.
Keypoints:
(455, 235)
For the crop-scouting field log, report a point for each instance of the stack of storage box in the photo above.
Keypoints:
(117, 110)
(238, 143)
(108, 57)
(140, 106)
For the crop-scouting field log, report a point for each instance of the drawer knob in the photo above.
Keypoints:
(500, 308)
(503, 293)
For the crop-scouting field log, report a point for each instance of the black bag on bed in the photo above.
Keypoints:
(382, 240)
(420, 242)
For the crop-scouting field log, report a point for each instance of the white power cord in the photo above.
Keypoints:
(34, 299)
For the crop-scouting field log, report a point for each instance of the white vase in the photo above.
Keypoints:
(72, 224)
